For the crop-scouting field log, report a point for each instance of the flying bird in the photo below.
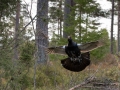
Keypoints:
(78, 54)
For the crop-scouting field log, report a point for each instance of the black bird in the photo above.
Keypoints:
(78, 54)
(75, 61)
(77, 65)
(72, 49)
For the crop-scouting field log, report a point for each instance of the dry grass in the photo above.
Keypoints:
(54, 77)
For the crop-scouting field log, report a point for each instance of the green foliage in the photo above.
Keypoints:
(81, 20)
(54, 75)
(54, 57)
(26, 52)
(25, 81)
(103, 36)
(56, 40)
(19, 74)
(5, 60)
(7, 7)
(112, 73)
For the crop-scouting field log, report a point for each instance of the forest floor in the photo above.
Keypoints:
(103, 75)
(100, 75)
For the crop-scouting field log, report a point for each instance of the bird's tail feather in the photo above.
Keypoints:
(76, 66)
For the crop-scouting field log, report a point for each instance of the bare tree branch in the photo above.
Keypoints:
(89, 80)
(32, 20)
(83, 83)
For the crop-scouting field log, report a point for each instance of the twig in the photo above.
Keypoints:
(32, 19)
(89, 80)
(103, 88)
(83, 83)
(34, 77)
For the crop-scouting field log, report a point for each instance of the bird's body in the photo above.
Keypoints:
(72, 50)
(77, 65)
(76, 61)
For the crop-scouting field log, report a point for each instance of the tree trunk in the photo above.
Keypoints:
(60, 20)
(42, 30)
(118, 26)
(80, 31)
(66, 16)
(16, 32)
(112, 22)
(67, 12)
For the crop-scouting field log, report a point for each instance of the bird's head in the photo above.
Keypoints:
(69, 39)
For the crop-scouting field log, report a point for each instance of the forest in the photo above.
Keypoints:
(28, 29)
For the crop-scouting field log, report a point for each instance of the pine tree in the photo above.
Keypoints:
(118, 26)
(56, 17)
(42, 30)
(82, 18)
(16, 32)
(82, 21)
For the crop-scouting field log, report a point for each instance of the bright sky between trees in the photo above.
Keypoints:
(105, 22)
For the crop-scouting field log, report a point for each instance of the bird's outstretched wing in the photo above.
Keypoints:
(57, 50)
(90, 46)
(84, 47)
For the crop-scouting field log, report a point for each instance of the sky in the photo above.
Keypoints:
(105, 22)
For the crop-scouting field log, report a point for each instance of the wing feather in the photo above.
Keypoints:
(90, 46)
(57, 50)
